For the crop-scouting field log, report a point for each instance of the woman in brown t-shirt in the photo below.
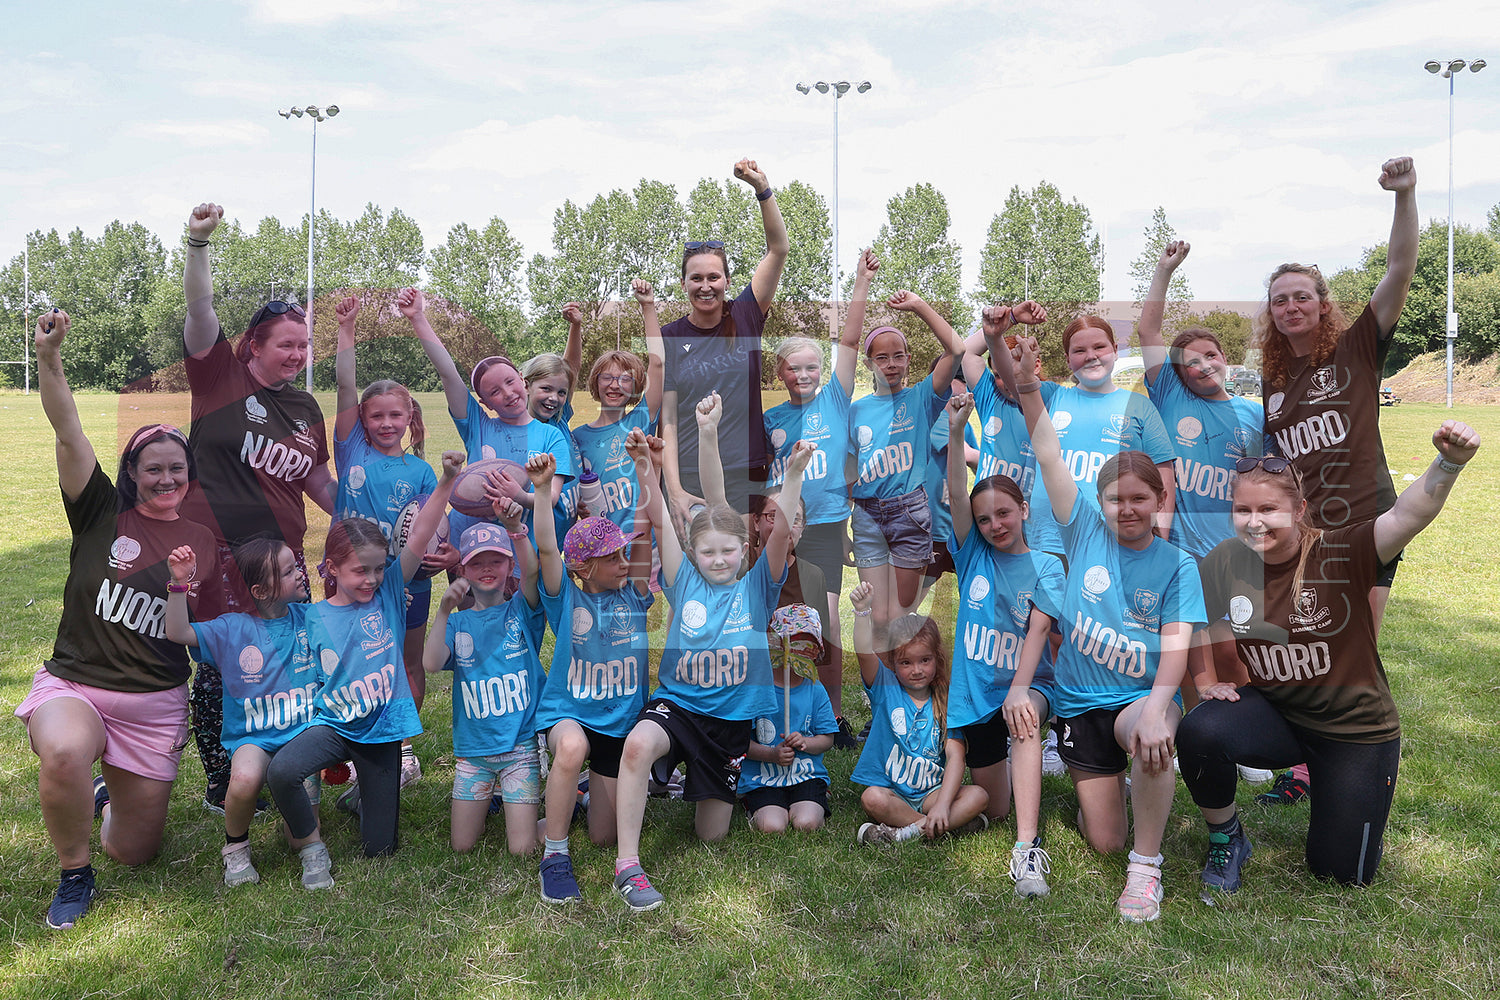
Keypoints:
(1291, 596)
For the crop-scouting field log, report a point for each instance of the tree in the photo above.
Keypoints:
(1476, 298)
(479, 270)
(1179, 296)
(1044, 246)
(1233, 330)
(1492, 223)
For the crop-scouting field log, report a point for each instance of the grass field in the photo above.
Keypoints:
(804, 914)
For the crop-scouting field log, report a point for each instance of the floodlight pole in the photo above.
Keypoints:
(838, 90)
(317, 114)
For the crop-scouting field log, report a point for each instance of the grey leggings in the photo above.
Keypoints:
(379, 772)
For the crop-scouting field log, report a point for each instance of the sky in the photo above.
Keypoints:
(1260, 128)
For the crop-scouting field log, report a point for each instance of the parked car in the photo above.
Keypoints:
(1244, 382)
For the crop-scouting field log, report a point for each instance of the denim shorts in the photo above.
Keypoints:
(897, 531)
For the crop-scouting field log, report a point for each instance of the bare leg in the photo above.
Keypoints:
(136, 818)
(1101, 809)
(247, 773)
(570, 748)
(67, 736)
(647, 741)
(602, 792)
(712, 818)
(1150, 793)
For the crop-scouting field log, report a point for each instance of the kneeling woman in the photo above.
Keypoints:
(1294, 597)
(115, 688)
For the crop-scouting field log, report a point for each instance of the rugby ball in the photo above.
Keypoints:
(468, 491)
(408, 517)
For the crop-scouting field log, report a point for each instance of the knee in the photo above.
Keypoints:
(603, 838)
(570, 751)
(765, 822)
(808, 823)
(1106, 842)
(132, 854)
(64, 758)
(872, 798)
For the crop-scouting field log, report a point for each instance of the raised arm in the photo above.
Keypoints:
(432, 512)
(656, 350)
(1400, 176)
(435, 650)
(1061, 489)
(573, 350)
(953, 344)
(200, 330)
(681, 500)
(542, 470)
(768, 272)
(75, 454)
(645, 452)
(862, 597)
(347, 312)
(1419, 504)
(846, 355)
(789, 500)
(958, 410)
(413, 305)
(182, 562)
(995, 323)
(1154, 307)
(710, 467)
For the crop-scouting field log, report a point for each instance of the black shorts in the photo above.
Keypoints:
(988, 742)
(823, 546)
(941, 562)
(1387, 572)
(711, 748)
(1087, 742)
(811, 790)
(604, 751)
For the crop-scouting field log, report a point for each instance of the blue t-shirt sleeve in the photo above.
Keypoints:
(1152, 433)
(1184, 593)
(824, 721)
(1047, 597)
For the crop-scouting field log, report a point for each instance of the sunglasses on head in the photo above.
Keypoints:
(1270, 463)
(691, 245)
(275, 307)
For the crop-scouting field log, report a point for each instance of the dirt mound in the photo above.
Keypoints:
(1425, 380)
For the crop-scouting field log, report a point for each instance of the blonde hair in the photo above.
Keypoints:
(791, 345)
(547, 365)
(386, 387)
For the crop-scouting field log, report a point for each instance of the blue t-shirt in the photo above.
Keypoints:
(890, 437)
(269, 680)
(377, 487)
(496, 675)
(1005, 450)
(365, 696)
(825, 422)
(1209, 434)
(567, 501)
(601, 660)
(996, 592)
(904, 750)
(602, 451)
(716, 661)
(1114, 604)
(812, 715)
(485, 436)
(1095, 426)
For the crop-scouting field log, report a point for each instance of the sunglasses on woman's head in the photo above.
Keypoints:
(703, 245)
(275, 307)
(1270, 463)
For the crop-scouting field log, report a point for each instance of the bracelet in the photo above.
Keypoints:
(197, 243)
(863, 614)
(1013, 320)
(1452, 467)
(765, 195)
(179, 588)
(1034, 385)
(518, 535)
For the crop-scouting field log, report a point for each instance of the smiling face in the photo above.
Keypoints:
(705, 283)
(291, 583)
(282, 355)
(999, 518)
(386, 418)
(801, 372)
(887, 357)
(502, 389)
(718, 555)
(764, 523)
(616, 387)
(488, 573)
(1295, 307)
(359, 575)
(1091, 357)
(1130, 507)
(160, 473)
(1265, 519)
(915, 667)
(1203, 369)
(545, 396)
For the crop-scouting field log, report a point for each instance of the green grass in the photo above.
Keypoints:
(800, 915)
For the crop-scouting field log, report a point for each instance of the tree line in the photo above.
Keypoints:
(125, 284)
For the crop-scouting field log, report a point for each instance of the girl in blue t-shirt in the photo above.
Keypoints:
(1130, 603)
(379, 481)
(364, 708)
(912, 764)
(269, 680)
(492, 650)
(715, 671)
(596, 686)
(629, 396)
(1009, 600)
(892, 521)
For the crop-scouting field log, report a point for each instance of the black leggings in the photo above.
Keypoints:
(1353, 783)
(379, 772)
(206, 702)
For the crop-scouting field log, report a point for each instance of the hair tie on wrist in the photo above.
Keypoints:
(1033, 386)
(1453, 467)
(197, 243)
(863, 614)
(518, 535)
(765, 195)
(179, 588)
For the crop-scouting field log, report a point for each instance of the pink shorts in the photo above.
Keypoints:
(144, 732)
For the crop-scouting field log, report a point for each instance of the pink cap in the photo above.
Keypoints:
(594, 536)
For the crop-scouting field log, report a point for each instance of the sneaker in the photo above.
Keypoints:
(213, 800)
(635, 888)
(876, 833)
(348, 802)
(1225, 856)
(558, 883)
(1288, 790)
(317, 866)
(101, 796)
(313, 786)
(1141, 901)
(1029, 867)
(844, 739)
(864, 733)
(497, 804)
(237, 867)
(1052, 762)
(74, 895)
(411, 769)
(978, 824)
(1255, 775)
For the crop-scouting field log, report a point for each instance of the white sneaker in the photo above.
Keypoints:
(411, 769)
(1052, 763)
(317, 866)
(1028, 867)
(237, 867)
(1255, 775)
(1141, 901)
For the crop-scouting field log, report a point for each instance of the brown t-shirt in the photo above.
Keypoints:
(1312, 654)
(1326, 422)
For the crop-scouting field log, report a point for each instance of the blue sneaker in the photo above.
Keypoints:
(635, 888)
(1225, 856)
(74, 895)
(558, 883)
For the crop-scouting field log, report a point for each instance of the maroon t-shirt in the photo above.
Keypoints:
(1326, 421)
(1312, 654)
